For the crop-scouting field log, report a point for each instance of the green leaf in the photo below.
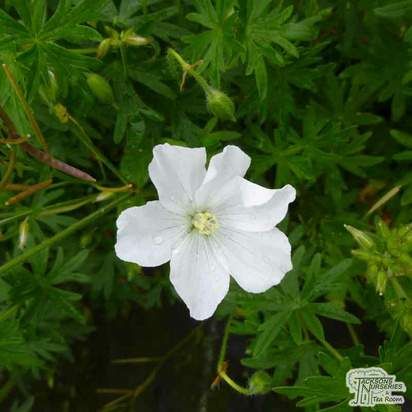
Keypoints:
(295, 327)
(14, 351)
(328, 280)
(394, 10)
(333, 311)
(312, 323)
(270, 330)
(217, 47)
(152, 82)
(137, 155)
(403, 138)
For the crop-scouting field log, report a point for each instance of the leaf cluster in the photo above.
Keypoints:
(318, 93)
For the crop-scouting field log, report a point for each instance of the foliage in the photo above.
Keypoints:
(316, 91)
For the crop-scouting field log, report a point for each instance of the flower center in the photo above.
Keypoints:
(205, 223)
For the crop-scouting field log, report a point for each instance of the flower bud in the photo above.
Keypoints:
(260, 383)
(61, 113)
(48, 90)
(383, 229)
(100, 88)
(220, 104)
(135, 40)
(86, 239)
(23, 233)
(103, 196)
(364, 240)
(103, 48)
(381, 281)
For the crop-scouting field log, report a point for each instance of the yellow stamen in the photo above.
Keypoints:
(205, 223)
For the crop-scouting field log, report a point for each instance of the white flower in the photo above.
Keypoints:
(210, 225)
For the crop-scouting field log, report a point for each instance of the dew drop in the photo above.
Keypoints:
(172, 198)
(157, 240)
(212, 266)
(266, 259)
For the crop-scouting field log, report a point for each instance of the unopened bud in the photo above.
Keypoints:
(381, 281)
(137, 41)
(101, 88)
(86, 239)
(103, 196)
(103, 48)
(260, 383)
(23, 233)
(61, 113)
(383, 229)
(364, 240)
(48, 90)
(220, 104)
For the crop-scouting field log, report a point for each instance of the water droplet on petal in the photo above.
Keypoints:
(157, 240)
(172, 198)
(266, 259)
(212, 266)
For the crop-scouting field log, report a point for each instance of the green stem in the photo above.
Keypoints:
(27, 109)
(124, 60)
(234, 385)
(68, 206)
(188, 68)
(9, 169)
(85, 139)
(221, 361)
(353, 334)
(225, 339)
(127, 188)
(331, 349)
(61, 235)
(139, 390)
(14, 216)
(133, 394)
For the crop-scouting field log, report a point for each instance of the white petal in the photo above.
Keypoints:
(257, 261)
(147, 234)
(177, 172)
(230, 163)
(198, 276)
(254, 208)
(223, 167)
